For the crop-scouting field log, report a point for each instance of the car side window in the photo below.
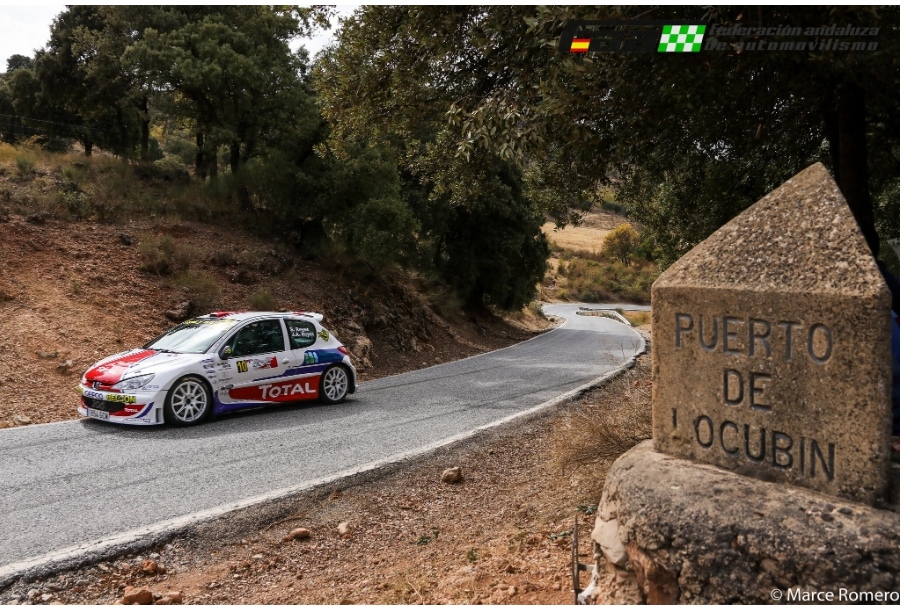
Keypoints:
(301, 333)
(260, 337)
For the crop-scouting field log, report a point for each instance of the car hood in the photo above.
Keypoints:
(135, 362)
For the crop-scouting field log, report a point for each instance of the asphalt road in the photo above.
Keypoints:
(71, 487)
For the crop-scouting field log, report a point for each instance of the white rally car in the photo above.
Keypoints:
(217, 363)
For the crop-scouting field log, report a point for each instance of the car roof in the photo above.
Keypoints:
(310, 316)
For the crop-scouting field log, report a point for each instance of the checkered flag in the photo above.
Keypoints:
(681, 39)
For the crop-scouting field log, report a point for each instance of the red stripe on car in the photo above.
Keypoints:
(112, 371)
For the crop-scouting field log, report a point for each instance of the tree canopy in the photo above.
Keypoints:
(440, 138)
(689, 139)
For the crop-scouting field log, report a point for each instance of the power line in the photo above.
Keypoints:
(45, 121)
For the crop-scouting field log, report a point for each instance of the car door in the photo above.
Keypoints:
(258, 360)
(307, 367)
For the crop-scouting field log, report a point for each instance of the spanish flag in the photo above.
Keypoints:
(580, 45)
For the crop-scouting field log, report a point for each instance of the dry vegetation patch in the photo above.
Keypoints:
(594, 278)
(579, 269)
(637, 318)
(586, 237)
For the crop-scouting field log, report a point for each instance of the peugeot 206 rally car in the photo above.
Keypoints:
(218, 363)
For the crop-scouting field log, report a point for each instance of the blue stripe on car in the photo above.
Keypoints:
(146, 411)
(325, 359)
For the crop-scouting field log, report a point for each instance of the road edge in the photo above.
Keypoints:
(91, 552)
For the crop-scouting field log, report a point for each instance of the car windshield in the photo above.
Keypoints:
(193, 336)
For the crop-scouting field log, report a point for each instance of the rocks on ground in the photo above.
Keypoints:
(299, 533)
(452, 475)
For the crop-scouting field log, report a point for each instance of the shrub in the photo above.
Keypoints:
(172, 168)
(168, 168)
(201, 291)
(153, 258)
(620, 243)
(25, 167)
(77, 205)
(613, 419)
(164, 256)
(262, 300)
(73, 174)
(224, 258)
(536, 308)
(182, 257)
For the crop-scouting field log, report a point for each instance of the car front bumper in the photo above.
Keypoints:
(140, 409)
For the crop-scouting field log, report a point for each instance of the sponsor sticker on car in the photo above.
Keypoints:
(93, 394)
(120, 398)
(256, 363)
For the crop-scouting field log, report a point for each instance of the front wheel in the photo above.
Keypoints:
(188, 402)
(334, 385)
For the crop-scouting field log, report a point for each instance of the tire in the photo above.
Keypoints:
(188, 402)
(334, 384)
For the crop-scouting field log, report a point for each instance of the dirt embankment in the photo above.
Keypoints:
(72, 293)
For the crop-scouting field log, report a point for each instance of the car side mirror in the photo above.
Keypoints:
(226, 352)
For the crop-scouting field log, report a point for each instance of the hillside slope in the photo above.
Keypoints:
(74, 292)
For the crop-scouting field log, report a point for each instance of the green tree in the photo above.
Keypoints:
(488, 244)
(706, 134)
(40, 114)
(83, 70)
(478, 230)
(10, 126)
(229, 70)
(16, 62)
(621, 242)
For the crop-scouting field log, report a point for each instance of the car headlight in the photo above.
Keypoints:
(134, 383)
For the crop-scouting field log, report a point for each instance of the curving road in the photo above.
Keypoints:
(73, 487)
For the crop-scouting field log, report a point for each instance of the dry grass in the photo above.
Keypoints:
(262, 300)
(586, 237)
(609, 421)
(636, 318)
(73, 187)
(591, 278)
(575, 238)
(578, 271)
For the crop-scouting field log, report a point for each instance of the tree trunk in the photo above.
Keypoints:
(88, 145)
(475, 301)
(234, 157)
(237, 159)
(843, 112)
(212, 161)
(146, 129)
(201, 167)
(124, 135)
(852, 161)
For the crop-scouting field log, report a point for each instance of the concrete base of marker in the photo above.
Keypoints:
(676, 531)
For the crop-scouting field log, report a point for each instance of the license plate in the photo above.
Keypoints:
(98, 414)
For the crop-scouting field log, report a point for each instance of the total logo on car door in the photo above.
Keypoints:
(260, 364)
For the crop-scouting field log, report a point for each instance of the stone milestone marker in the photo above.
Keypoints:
(771, 347)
